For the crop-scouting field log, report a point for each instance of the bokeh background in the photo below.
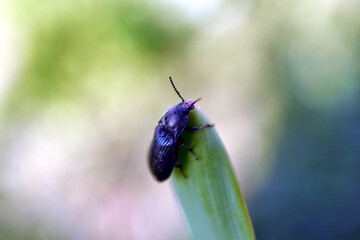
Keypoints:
(83, 84)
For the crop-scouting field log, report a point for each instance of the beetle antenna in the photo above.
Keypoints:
(176, 89)
(195, 101)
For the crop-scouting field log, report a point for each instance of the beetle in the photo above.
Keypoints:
(163, 149)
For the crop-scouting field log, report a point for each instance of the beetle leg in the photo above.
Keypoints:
(181, 170)
(198, 128)
(188, 148)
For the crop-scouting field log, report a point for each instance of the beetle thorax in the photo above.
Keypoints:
(175, 118)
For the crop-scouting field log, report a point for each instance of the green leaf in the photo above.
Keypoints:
(209, 194)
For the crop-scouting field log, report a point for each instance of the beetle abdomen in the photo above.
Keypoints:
(162, 156)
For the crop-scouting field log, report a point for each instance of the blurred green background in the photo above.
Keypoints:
(83, 84)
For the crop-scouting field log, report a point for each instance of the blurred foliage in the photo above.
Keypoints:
(310, 193)
(70, 42)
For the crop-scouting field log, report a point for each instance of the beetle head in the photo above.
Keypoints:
(187, 106)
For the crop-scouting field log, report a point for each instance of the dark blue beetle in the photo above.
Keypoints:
(163, 149)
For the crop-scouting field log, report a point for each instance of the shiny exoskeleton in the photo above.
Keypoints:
(163, 149)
